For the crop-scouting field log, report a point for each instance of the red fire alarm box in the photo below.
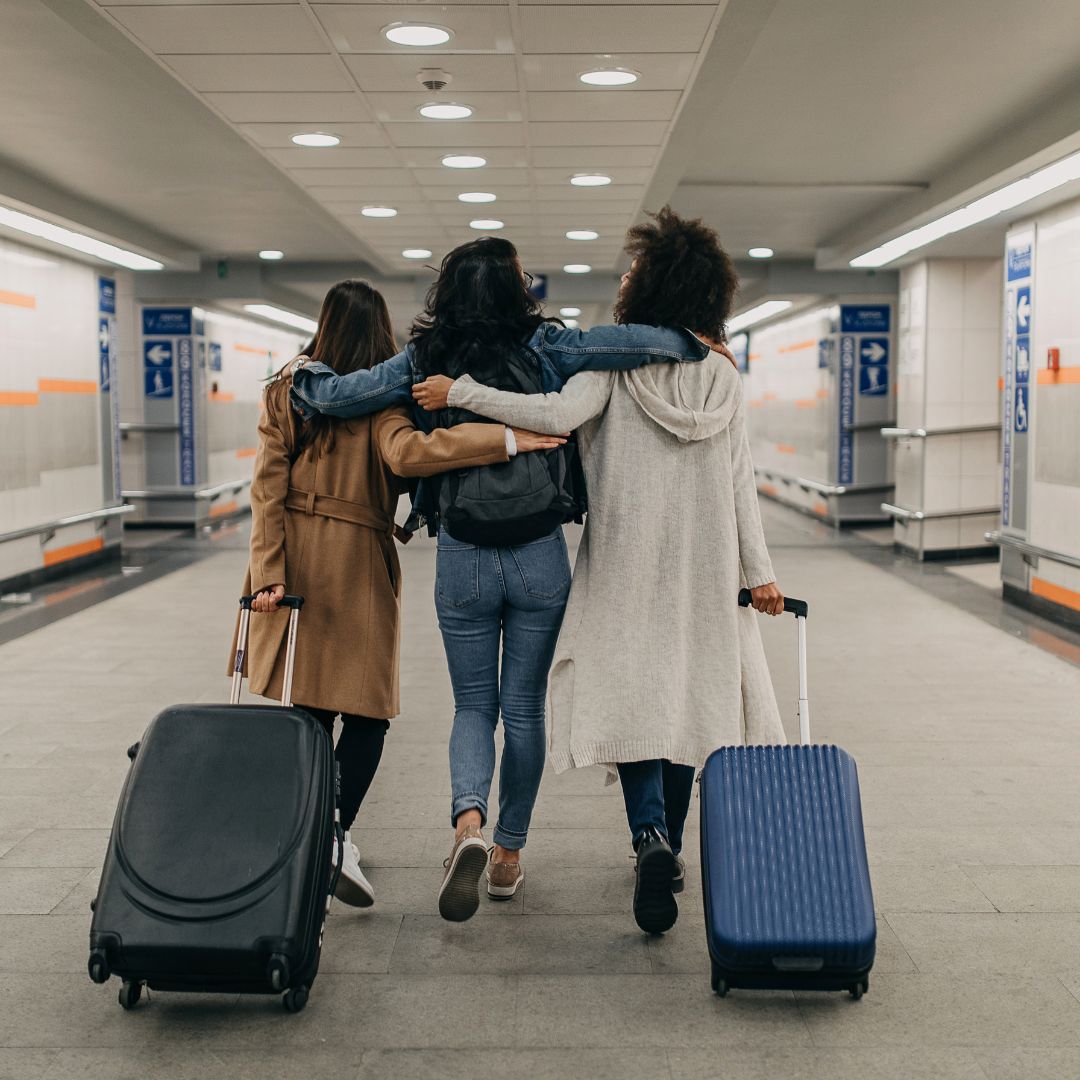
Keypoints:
(1053, 359)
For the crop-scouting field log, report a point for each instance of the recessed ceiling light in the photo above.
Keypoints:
(571, 324)
(571, 312)
(590, 180)
(760, 253)
(486, 223)
(419, 35)
(445, 110)
(476, 196)
(577, 268)
(582, 234)
(379, 211)
(316, 138)
(271, 255)
(609, 77)
(464, 161)
(416, 253)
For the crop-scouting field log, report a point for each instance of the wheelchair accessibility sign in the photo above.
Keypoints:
(1020, 412)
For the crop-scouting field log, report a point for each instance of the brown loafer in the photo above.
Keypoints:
(504, 879)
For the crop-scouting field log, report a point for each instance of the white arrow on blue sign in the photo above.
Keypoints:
(1023, 309)
(874, 351)
(157, 353)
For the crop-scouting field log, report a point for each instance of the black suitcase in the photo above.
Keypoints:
(219, 873)
(788, 902)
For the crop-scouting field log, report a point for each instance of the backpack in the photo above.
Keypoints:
(516, 501)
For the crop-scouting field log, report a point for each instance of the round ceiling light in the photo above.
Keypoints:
(486, 223)
(760, 253)
(379, 211)
(590, 180)
(416, 253)
(476, 196)
(464, 161)
(571, 324)
(609, 77)
(418, 35)
(570, 312)
(445, 110)
(582, 234)
(577, 268)
(316, 138)
(271, 254)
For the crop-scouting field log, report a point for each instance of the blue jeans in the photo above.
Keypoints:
(657, 796)
(484, 595)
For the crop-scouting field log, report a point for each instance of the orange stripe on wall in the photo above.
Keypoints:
(1056, 378)
(224, 508)
(1001, 382)
(73, 551)
(246, 451)
(18, 397)
(820, 508)
(822, 394)
(1057, 594)
(768, 489)
(15, 299)
(798, 346)
(67, 386)
(785, 448)
(805, 403)
(252, 349)
(220, 395)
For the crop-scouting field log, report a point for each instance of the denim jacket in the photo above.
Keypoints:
(562, 354)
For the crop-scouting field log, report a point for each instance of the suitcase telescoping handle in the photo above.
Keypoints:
(800, 609)
(294, 603)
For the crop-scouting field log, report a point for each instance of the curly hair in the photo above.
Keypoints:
(681, 276)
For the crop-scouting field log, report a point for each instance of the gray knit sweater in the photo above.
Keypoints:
(655, 659)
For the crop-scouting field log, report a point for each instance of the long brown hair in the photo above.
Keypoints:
(354, 333)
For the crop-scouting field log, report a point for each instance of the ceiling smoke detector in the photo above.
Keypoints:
(434, 79)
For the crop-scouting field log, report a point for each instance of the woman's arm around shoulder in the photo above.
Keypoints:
(407, 451)
(318, 388)
(269, 488)
(617, 348)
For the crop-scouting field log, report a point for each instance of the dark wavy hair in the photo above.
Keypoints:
(479, 309)
(354, 332)
(681, 276)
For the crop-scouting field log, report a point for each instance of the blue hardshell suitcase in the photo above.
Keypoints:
(788, 903)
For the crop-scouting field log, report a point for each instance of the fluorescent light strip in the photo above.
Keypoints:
(757, 314)
(997, 202)
(280, 315)
(33, 226)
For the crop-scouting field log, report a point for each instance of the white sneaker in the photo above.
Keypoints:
(352, 887)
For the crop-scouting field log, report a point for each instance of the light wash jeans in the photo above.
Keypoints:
(484, 595)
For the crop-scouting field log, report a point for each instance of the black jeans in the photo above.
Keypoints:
(359, 750)
(657, 796)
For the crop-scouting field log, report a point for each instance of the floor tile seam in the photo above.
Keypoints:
(69, 893)
(1068, 989)
(903, 945)
(963, 867)
(402, 916)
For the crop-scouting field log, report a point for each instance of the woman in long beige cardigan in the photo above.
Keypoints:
(322, 506)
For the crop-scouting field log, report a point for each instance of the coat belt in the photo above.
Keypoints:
(355, 513)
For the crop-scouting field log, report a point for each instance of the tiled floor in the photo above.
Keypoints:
(968, 743)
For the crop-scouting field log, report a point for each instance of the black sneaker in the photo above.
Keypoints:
(678, 882)
(655, 909)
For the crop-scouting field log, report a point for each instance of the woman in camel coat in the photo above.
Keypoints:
(323, 499)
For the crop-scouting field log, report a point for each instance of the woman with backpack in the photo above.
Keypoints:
(323, 498)
(509, 589)
(657, 666)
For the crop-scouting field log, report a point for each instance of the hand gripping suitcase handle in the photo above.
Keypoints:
(294, 603)
(800, 609)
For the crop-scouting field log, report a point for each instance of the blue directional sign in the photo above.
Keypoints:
(215, 356)
(864, 318)
(1023, 358)
(873, 380)
(1020, 413)
(166, 320)
(1023, 309)
(845, 470)
(185, 363)
(104, 351)
(157, 354)
(158, 382)
(1019, 264)
(874, 350)
(824, 351)
(107, 295)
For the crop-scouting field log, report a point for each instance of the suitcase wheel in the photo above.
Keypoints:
(721, 988)
(859, 989)
(295, 998)
(98, 967)
(278, 971)
(130, 993)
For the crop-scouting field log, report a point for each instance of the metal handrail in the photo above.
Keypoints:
(163, 426)
(230, 486)
(816, 485)
(903, 513)
(864, 425)
(926, 433)
(1004, 540)
(51, 527)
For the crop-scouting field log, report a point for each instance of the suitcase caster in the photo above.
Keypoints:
(278, 971)
(295, 998)
(719, 985)
(98, 967)
(130, 993)
(859, 989)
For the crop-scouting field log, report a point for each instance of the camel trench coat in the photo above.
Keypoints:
(324, 526)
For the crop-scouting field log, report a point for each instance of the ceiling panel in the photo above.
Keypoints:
(583, 158)
(622, 175)
(560, 71)
(479, 135)
(498, 157)
(338, 157)
(259, 71)
(280, 135)
(587, 28)
(351, 178)
(618, 133)
(357, 28)
(290, 108)
(402, 107)
(627, 105)
(385, 73)
(490, 180)
(222, 28)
